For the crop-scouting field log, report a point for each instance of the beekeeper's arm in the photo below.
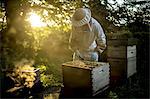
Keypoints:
(73, 40)
(100, 38)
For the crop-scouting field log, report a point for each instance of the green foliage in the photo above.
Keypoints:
(2, 20)
(25, 41)
(42, 68)
(128, 12)
(48, 80)
(112, 95)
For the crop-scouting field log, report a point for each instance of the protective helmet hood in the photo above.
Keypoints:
(81, 12)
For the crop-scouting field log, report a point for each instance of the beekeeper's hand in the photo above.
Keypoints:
(97, 49)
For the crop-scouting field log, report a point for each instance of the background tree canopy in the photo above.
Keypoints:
(40, 29)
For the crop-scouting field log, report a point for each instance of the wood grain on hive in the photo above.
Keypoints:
(121, 54)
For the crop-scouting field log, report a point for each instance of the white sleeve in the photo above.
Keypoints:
(100, 37)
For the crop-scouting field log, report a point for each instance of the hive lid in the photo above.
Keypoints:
(122, 42)
(83, 64)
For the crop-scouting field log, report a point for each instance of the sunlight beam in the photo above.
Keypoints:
(35, 20)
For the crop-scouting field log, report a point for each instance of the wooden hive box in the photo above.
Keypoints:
(122, 68)
(121, 51)
(87, 79)
(122, 60)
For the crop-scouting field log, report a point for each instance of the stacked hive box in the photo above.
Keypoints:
(121, 54)
(85, 80)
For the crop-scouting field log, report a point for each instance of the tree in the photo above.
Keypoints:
(48, 44)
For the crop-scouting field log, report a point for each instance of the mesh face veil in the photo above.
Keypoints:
(81, 17)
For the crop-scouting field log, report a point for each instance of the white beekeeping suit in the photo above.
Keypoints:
(87, 37)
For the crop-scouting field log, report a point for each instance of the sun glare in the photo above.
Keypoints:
(35, 20)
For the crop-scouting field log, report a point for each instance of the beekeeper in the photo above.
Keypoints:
(87, 38)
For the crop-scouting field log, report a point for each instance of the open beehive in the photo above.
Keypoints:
(85, 78)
